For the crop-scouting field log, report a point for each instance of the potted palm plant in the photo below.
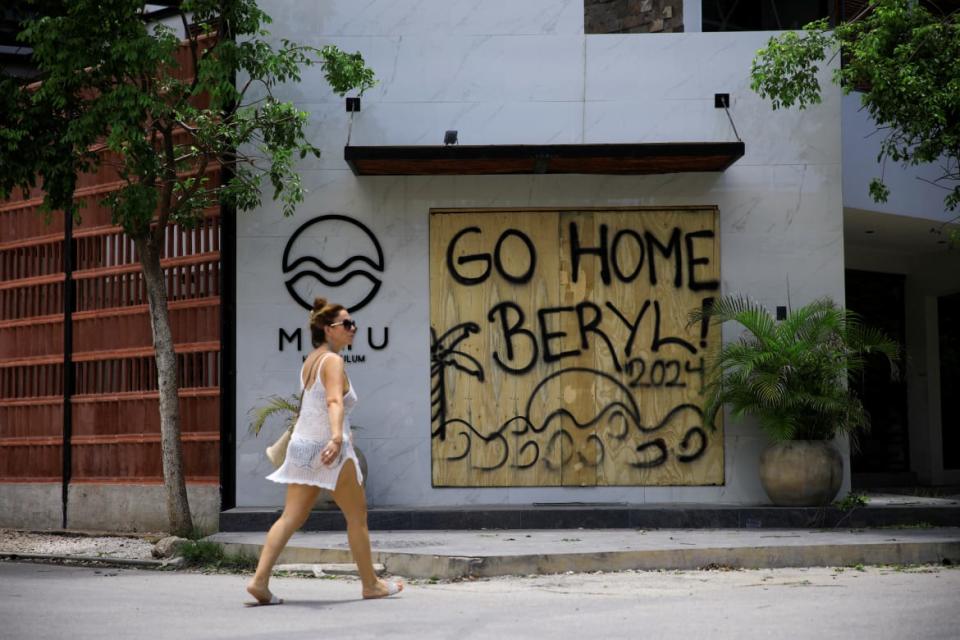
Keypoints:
(286, 410)
(791, 375)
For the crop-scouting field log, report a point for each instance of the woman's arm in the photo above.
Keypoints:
(331, 375)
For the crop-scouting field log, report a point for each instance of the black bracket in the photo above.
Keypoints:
(541, 162)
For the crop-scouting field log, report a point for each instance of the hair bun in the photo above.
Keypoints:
(319, 303)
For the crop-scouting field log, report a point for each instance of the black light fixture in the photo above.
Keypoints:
(353, 105)
(781, 312)
(450, 137)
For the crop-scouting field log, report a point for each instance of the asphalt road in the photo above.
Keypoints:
(46, 601)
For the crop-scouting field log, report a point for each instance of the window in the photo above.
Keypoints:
(763, 15)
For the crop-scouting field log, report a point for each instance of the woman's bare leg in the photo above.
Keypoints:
(296, 510)
(351, 499)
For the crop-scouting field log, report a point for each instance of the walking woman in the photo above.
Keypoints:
(321, 456)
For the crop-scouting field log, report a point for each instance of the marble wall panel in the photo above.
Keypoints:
(409, 123)
(663, 120)
(661, 88)
(439, 68)
(425, 17)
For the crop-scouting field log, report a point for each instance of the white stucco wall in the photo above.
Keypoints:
(522, 72)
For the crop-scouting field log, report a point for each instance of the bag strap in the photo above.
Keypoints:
(319, 366)
(303, 384)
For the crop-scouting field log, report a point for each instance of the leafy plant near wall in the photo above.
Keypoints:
(113, 82)
(852, 501)
(285, 408)
(904, 59)
(791, 374)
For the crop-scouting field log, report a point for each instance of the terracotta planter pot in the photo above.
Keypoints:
(801, 473)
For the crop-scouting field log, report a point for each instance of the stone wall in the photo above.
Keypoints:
(102, 507)
(31, 505)
(633, 16)
(137, 507)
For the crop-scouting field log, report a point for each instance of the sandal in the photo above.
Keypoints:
(261, 603)
(393, 588)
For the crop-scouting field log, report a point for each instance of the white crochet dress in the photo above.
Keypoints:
(311, 434)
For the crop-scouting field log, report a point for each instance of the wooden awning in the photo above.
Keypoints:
(622, 159)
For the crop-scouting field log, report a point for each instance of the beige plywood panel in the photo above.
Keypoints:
(577, 350)
(562, 353)
(623, 298)
(465, 423)
(487, 274)
(444, 337)
(650, 296)
(536, 462)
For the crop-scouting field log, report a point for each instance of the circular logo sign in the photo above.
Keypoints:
(334, 256)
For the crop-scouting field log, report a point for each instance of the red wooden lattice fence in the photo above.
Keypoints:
(115, 425)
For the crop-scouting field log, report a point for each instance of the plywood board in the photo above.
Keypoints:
(561, 349)
(650, 296)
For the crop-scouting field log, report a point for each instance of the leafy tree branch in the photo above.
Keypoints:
(904, 60)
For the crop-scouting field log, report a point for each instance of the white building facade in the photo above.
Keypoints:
(506, 73)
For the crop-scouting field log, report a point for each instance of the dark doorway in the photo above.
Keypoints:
(948, 318)
(883, 457)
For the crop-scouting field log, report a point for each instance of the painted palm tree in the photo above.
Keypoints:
(443, 354)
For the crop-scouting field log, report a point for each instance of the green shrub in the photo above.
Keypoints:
(211, 555)
(791, 374)
(852, 501)
(202, 552)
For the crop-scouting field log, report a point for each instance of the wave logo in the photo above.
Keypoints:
(333, 252)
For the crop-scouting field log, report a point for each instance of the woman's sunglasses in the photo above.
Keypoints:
(349, 325)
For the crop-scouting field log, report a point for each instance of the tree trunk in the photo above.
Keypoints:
(178, 509)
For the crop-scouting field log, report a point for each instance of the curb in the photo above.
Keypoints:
(613, 516)
(412, 565)
(323, 570)
(173, 563)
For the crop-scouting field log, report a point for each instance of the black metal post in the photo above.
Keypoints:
(69, 297)
(228, 355)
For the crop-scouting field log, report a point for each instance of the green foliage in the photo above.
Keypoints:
(201, 552)
(791, 375)
(236, 563)
(276, 406)
(212, 557)
(111, 79)
(879, 191)
(346, 72)
(852, 501)
(285, 409)
(786, 71)
(904, 59)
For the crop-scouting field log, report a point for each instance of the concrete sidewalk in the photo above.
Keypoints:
(884, 509)
(456, 554)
